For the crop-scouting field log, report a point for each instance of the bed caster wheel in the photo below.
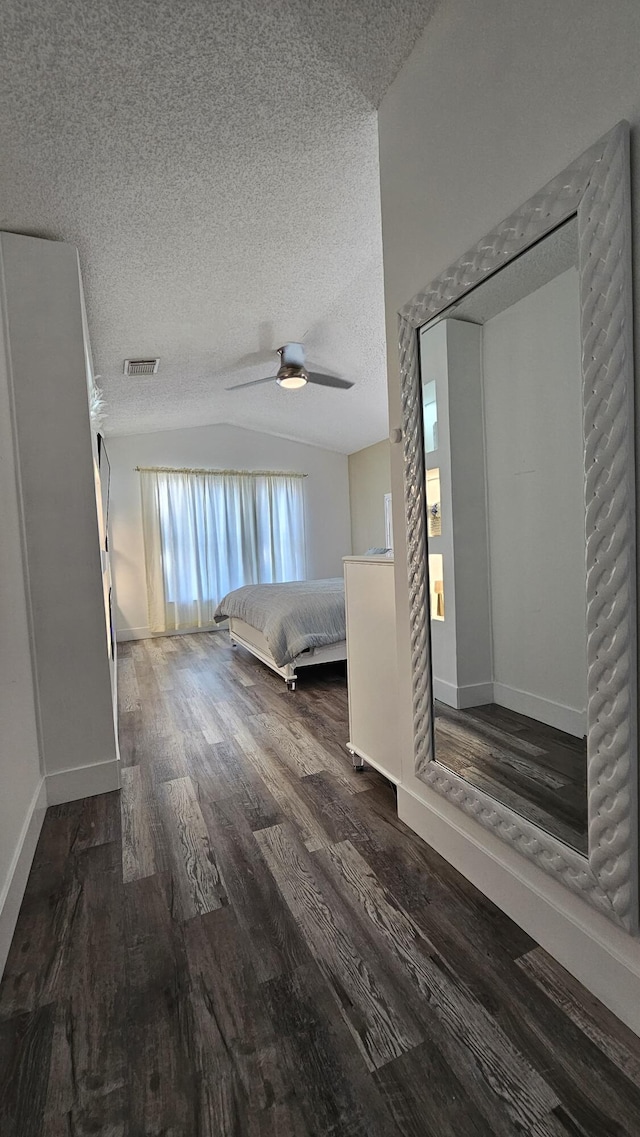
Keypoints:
(291, 684)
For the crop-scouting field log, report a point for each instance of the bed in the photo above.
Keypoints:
(288, 626)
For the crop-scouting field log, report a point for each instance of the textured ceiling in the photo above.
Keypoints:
(216, 165)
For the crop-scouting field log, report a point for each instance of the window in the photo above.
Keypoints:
(207, 532)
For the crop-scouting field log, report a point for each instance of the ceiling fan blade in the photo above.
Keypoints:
(252, 358)
(251, 383)
(328, 380)
(265, 352)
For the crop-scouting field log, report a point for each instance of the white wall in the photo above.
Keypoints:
(496, 99)
(328, 524)
(369, 481)
(535, 483)
(20, 776)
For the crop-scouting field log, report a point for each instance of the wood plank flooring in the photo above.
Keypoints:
(247, 942)
(536, 770)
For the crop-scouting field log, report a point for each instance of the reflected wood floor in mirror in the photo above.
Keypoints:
(248, 942)
(538, 771)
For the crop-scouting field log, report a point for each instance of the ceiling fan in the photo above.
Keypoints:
(293, 373)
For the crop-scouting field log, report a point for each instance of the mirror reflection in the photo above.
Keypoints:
(502, 386)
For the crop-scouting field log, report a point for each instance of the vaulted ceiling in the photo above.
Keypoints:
(216, 166)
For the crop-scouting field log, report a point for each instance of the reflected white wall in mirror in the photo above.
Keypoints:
(535, 487)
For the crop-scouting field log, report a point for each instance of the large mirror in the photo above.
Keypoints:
(518, 439)
(502, 396)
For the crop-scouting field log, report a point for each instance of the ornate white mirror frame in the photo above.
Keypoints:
(596, 188)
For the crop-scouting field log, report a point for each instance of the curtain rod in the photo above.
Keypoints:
(244, 473)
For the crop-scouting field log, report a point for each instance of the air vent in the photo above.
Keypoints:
(141, 366)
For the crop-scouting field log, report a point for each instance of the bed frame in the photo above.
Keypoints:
(254, 641)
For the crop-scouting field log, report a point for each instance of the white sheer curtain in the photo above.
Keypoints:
(206, 532)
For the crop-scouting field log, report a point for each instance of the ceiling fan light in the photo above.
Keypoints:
(291, 377)
(292, 382)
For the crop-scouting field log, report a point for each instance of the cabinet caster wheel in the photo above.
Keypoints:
(358, 766)
(291, 684)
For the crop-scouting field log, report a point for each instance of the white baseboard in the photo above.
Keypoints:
(67, 785)
(473, 695)
(444, 692)
(13, 891)
(84, 781)
(124, 634)
(542, 710)
(601, 956)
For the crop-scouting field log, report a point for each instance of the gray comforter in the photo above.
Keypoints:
(292, 617)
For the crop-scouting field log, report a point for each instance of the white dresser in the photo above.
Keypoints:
(371, 664)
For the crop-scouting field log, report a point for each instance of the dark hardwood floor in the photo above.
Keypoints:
(247, 941)
(536, 770)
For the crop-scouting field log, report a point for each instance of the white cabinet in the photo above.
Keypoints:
(47, 360)
(372, 664)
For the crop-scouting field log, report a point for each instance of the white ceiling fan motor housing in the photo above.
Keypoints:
(292, 354)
